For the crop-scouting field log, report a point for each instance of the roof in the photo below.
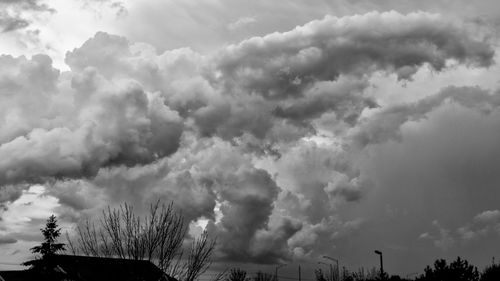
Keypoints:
(82, 268)
(18, 275)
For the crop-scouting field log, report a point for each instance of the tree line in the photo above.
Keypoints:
(159, 237)
(458, 270)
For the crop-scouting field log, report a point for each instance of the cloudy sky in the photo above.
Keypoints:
(289, 129)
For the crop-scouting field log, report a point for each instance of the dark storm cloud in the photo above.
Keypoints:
(342, 97)
(129, 124)
(283, 64)
(436, 172)
(95, 123)
(246, 207)
(296, 74)
(246, 195)
(78, 195)
(271, 246)
(9, 193)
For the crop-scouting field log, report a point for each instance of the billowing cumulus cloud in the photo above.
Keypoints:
(318, 175)
(282, 64)
(196, 186)
(341, 97)
(269, 141)
(73, 130)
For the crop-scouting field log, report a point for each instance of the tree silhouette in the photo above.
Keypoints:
(458, 270)
(262, 276)
(491, 273)
(44, 264)
(50, 233)
(157, 237)
(237, 274)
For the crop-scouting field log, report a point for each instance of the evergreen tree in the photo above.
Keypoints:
(44, 263)
(51, 232)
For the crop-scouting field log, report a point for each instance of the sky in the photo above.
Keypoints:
(289, 129)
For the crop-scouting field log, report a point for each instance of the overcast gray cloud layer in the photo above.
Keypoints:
(274, 140)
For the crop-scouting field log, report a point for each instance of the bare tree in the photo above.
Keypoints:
(198, 260)
(237, 274)
(156, 237)
(262, 276)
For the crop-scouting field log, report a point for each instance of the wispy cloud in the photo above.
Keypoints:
(11, 14)
(240, 23)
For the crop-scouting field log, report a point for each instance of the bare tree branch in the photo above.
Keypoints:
(157, 237)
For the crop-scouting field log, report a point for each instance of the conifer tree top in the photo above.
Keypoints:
(49, 247)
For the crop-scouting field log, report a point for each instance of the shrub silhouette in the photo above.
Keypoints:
(458, 270)
(237, 274)
(491, 273)
(261, 276)
(396, 278)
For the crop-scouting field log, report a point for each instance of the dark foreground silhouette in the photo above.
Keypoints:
(458, 270)
(81, 268)
(49, 265)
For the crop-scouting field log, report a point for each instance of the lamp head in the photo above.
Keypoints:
(330, 258)
(378, 252)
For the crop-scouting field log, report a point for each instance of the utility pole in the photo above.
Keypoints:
(276, 271)
(381, 263)
(300, 276)
(337, 261)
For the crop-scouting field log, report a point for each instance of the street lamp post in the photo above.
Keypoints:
(337, 261)
(331, 268)
(381, 263)
(276, 271)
